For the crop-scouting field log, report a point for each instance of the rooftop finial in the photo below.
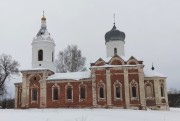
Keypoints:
(114, 18)
(43, 13)
(152, 67)
(43, 18)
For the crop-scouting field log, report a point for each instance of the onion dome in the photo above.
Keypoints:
(43, 18)
(114, 35)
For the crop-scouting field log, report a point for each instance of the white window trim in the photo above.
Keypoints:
(55, 86)
(34, 87)
(161, 84)
(115, 85)
(152, 91)
(20, 95)
(68, 85)
(101, 84)
(162, 96)
(82, 85)
(134, 84)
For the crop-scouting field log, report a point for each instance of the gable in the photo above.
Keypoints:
(116, 60)
(100, 62)
(132, 61)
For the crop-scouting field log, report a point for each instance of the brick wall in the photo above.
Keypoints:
(133, 75)
(62, 101)
(117, 75)
(101, 79)
(34, 83)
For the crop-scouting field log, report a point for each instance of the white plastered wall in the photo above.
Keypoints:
(115, 44)
(48, 48)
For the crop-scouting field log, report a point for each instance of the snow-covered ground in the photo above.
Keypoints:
(88, 115)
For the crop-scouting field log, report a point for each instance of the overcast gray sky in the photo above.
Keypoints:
(152, 29)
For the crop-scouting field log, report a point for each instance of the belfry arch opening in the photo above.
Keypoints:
(40, 55)
(115, 51)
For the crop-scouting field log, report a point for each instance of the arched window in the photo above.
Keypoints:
(115, 51)
(69, 93)
(118, 92)
(149, 92)
(134, 93)
(40, 55)
(19, 95)
(34, 94)
(83, 92)
(162, 91)
(134, 90)
(55, 93)
(52, 57)
(101, 92)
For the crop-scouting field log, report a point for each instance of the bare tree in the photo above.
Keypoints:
(8, 66)
(174, 97)
(70, 60)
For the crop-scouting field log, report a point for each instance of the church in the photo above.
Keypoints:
(113, 82)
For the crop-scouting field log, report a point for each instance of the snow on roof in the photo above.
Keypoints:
(72, 75)
(152, 73)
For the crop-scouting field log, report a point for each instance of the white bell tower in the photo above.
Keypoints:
(114, 40)
(43, 48)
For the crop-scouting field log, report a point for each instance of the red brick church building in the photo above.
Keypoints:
(114, 82)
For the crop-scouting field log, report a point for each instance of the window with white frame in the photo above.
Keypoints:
(69, 93)
(55, 93)
(162, 90)
(134, 90)
(149, 90)
(19, 95)
(101, 92)
(34, 92)
(82, 92)
(117, 90)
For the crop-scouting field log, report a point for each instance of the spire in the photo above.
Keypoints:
(152, 67)
(43, 28)
(43, 21)
(114, 19)
(114, 27)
